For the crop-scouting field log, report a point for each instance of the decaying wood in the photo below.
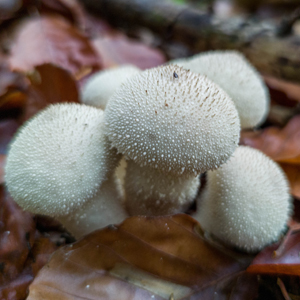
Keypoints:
(201, 31)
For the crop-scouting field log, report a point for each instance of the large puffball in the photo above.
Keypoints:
(246, 202)
(238, 78)
(173, 120)
(59, 159)
(101, 86)
(149, 192)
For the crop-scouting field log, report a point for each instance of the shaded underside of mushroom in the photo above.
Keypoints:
(238, 78)
(150, 192)
(101, 86)
(173, 120)
(59, 160)
(103, 209)
(246, 202)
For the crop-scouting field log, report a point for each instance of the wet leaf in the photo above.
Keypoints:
(143, 258)
(49, 84)
(51, 39)
(282, 145)
(288, 263)
(118, 50)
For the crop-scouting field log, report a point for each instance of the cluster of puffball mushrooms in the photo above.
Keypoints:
(138, 143)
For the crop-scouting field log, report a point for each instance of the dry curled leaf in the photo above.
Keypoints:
(143, 258)
(51, 39)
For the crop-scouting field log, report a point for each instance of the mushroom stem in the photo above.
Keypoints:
(90, 216)
(150, 192)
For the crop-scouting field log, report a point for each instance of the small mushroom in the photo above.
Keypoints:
(238, 78)
(150, 192)
(246, 202)
(175, 124)
(101, 86)
(61, 164)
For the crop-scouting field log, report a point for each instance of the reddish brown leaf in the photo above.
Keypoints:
(118, 50)
(8, 128)
(282, 145)
(51, 39)
(49, 84)
(2, 164)
(287, 91)
(143, 258)
(17, 232)
(69, 9)
(288, 263)
(293, 174)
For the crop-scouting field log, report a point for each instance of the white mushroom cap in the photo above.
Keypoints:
(59, 160)
(246, 203)
(149, 192)
(101, 86)
(174, 120)
(238, 78)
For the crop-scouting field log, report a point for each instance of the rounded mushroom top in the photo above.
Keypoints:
(246, 202)
(59, 159)
(100, 87)
(238, 78)
(174, 120)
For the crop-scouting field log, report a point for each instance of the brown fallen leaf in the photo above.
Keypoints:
(49, 84)
(293, 174)
(142, 258)
(288, 263)
(282, 145)
(8, 128)
(118, 50)
(52, 39)
(69, 9)
(17, 234)
(290, 92)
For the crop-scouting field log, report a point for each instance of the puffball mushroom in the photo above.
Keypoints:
(150, 192)
(61, 163)
(238, 78)
(246, 202)
(173, 120)
(101, 86)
